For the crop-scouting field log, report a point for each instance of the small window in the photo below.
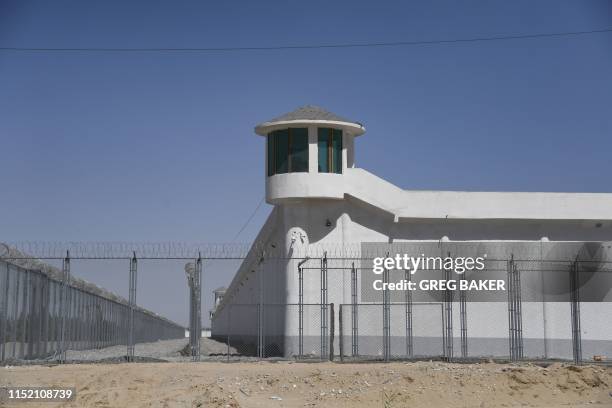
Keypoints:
(288, 151)
(281, 147)
(330, 150)
(298, 141)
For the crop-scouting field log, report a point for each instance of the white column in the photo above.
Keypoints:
(313, 156)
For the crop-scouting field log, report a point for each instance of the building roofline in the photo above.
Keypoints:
(354, 129)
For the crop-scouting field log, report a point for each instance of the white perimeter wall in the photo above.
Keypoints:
(300, 227)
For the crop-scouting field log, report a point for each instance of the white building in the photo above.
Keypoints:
(218, 297)
(324, 202)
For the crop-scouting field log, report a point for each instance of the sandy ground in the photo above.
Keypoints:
(286, 384)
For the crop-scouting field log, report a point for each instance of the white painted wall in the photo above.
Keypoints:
(300, 226)
(364, 208)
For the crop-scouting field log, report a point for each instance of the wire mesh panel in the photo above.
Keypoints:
(368, 341)
(595, 319)
(427, 331)
(312, 337)
(6, 312)
(41, 317)
(595, 310)
(245, 333)
(275, 334)
(533, 307)
(236, 329)
(20, 323)
(546, 309)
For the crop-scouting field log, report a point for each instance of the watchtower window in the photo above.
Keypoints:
(288, 151)
(330, 150)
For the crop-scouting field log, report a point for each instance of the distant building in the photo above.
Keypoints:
(218, 296)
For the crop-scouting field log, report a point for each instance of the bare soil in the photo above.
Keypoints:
(287, 384)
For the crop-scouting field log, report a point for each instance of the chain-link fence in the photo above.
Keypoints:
(290, 331)
(42, 317)
(417, 331)
(548, 300)
(321, 302)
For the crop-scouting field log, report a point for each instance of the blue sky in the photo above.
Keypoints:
(160, 147)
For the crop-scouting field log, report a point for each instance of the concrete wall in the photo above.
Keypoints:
(300, 228)
(317, 212)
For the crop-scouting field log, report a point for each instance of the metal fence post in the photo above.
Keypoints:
(104, 323)
(354, 313)
(189, 273)
(95, 320)
(45, 313)
(340, 334)
(16, 312)
(30, 314)
(5, 315)
(324, 307)
(300, 310)
(194, 282)
(64, 307)
(515, 325)
(54, 314)
(448, 317)
(519, 309)
(261, 336)
(463, 320)
(408, 300)
(70, 317)
(229, 329)
(132, 306)
(386, 315)
(77, 316)
(332, 330)
(25, 344)
(113, 340)
(34, 328)
(90, 322)
(511, 347)
(198, 309)
(575, 312)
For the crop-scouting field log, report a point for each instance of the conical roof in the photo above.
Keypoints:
(313, 114)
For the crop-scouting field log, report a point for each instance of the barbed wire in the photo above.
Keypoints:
(126, 250)
(599, 252)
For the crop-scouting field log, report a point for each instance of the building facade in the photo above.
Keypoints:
(325, 205)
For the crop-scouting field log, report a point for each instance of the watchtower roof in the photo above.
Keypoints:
(310, 114)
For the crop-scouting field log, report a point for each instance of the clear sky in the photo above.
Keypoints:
(160, 147)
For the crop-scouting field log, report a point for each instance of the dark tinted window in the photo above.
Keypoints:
(330, 150)
(298, 142)
(323, 148)
(288, 151)
(270, 154)
(281, 151)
